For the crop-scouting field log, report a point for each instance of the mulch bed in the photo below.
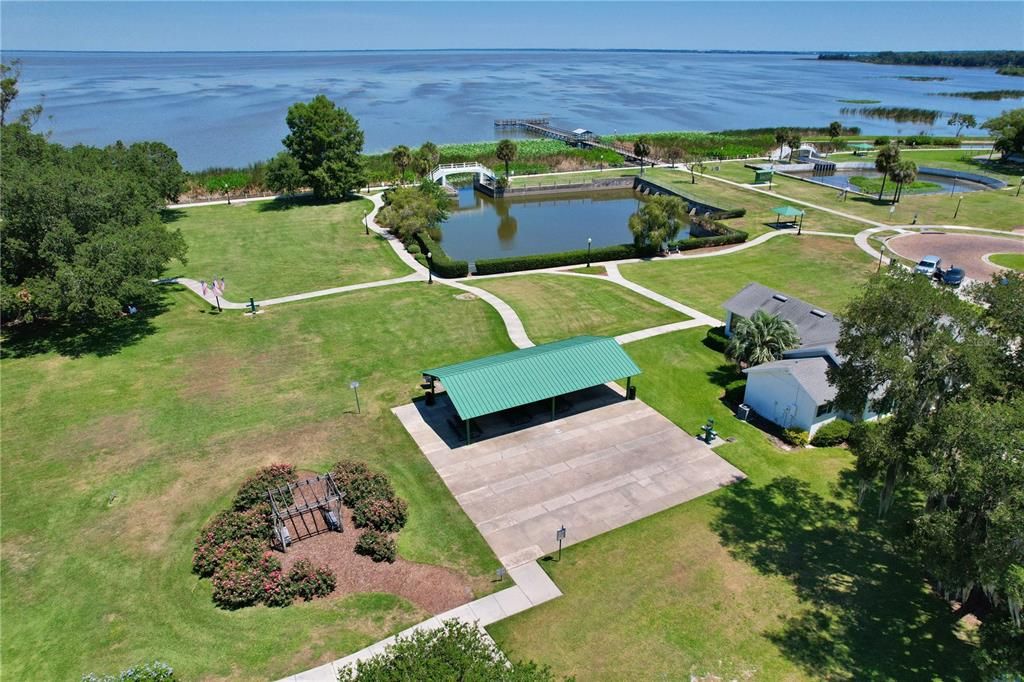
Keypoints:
(432, 588)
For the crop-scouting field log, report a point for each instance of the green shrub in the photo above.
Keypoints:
(209, 556)
(413, 248)
(731, 237)
(443, 266)
(716, 339)
(157, 671)
(386, 514)
(834, 433)
(795, 437)
(493, 266)
(308, 581)
(254, 489)
(376, 545)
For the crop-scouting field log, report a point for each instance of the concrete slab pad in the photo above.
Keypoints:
(592, 471)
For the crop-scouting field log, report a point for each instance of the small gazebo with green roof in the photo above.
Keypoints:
(791, 212)
(861, 148)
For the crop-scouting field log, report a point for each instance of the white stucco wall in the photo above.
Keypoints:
(779, 398)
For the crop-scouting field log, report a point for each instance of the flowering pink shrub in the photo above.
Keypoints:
(359, 482)
(308, 581)
(254, 490)
(384, 514)
(238, 582)
(226, 527)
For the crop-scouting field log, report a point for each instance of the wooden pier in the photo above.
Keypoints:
(541, 126)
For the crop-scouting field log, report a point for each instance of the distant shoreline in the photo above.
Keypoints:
(429, 49)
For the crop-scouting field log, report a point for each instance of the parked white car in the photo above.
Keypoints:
(928, 265)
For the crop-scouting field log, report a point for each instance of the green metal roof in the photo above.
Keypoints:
(864, 146)
(787, 211)
(499, 382)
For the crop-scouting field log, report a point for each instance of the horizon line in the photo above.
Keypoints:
(668, 50)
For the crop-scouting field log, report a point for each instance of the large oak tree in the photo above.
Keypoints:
(327, 143)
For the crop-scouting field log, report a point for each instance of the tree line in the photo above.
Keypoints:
(977, 58)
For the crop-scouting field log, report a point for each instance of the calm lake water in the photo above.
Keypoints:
(841, 179)
(229, 108)
(496, 228)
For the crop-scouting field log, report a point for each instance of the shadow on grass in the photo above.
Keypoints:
(869, 613)
(72, 340)
(288, 203)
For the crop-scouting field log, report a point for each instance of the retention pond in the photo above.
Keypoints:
(482, 227)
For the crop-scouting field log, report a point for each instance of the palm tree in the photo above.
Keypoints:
(401, 157)
(835, 131)
(781, 136)
(430, 152)
(793, 140)
(506, 152)
(886, 160)
(761, 338)
(905, 173)
(641, 150)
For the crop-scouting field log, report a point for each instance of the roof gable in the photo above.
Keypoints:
(816, 327)
(809, 373)
(520, 377)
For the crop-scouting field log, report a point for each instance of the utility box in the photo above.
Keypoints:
(743, 412)
(763, 176)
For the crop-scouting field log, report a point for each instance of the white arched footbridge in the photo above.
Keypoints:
(440, 174)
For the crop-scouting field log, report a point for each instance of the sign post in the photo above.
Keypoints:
(560, 535)
(354, 385)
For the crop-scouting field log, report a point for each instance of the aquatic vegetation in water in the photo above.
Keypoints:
(898, 114)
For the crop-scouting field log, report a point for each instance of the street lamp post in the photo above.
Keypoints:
(1020, 184)
(354, 385)
(953, 188)
(589, 240)
(430, 267)
(957, 211)
(366, 222)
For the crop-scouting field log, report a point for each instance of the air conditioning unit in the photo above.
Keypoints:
(743, 412)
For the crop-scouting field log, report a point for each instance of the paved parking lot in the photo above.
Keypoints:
(591, 471)
(957, 249)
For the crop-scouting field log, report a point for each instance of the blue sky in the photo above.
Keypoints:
(802, 25)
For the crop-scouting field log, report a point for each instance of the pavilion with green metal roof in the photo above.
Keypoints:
(529, 375)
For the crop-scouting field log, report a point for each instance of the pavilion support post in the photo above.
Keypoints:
(629, 381)
(468, 435)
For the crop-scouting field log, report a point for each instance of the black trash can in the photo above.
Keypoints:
(631, 393)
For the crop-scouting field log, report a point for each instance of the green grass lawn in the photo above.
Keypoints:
(555, 307)
(1014, 261)
(994, 209)
(117, 447)
(590, 270)
(571, 178)
(873, 185)
(732, 170)
(776, 578)
(825, 271)
(759, 217)
(266, 249)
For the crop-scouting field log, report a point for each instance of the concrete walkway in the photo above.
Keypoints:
(531, 587)
(615, 276)
(513, 324)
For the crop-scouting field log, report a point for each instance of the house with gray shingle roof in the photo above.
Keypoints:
(793, 392)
